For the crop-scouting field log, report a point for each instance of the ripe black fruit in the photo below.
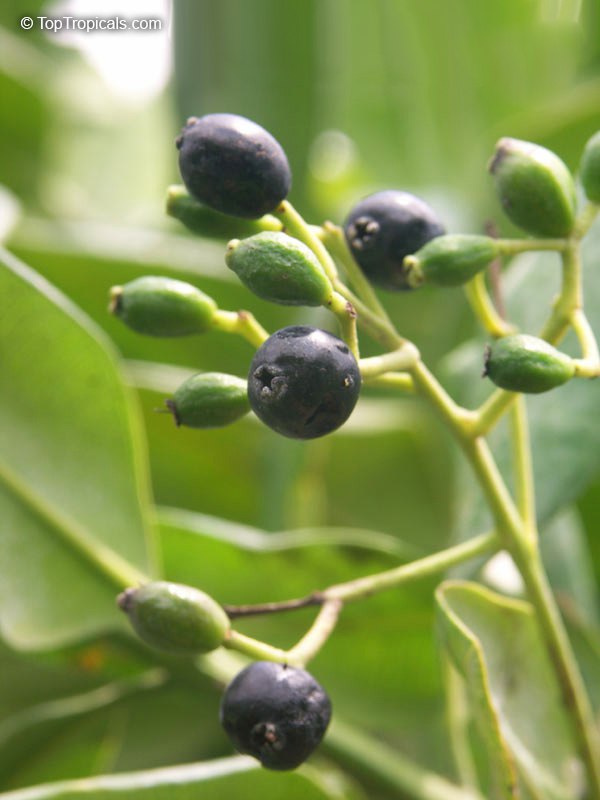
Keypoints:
(233, 165)
(383, 229)
(303, 382)
(276, 713)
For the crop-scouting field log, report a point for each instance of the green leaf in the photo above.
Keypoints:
(569, 565)
(237, 776)
(73, 490)
(495, 645)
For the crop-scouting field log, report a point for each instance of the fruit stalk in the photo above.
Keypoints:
(244, 323)
(526, 555)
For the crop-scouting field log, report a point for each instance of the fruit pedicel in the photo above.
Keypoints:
(304, 381)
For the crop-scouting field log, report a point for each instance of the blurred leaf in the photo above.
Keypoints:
(238, 776)
(38, 743)
(569, 565)
(71, 467)
(495, 645)
(399, 82)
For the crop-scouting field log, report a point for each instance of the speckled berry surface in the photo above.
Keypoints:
(303, 382)
(383, 229)
(276, 713)
(232, 165)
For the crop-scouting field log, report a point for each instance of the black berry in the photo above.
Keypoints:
(276, 713)
(232, 165)
(383, 229)
(303, 382)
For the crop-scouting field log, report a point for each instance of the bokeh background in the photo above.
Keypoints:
(389, 94)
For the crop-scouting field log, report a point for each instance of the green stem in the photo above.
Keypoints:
(403, 358)
(572, 685)
(333, 597)
(483, 308)
(512, 247)
(377, 327)
(570, 298)
(295, 225)
(303, 651)
(383, 764)
(389, 767)
(242, 323)
(392, 380)
(586, 337)
(205, 222)
(379, 330)
(321, 629)
(335, 241)
(526, 556)
(104, 560)
(346, 317)
(254, 648)
(459, 419)
(522, 465)
(490, 412)
(485, 544)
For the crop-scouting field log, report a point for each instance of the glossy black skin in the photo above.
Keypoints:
(276, 713)
(303, 382)
(383, 229)
(232, 165)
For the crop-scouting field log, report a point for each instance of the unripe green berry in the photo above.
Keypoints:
(450, 260)
(175, 618)
(589, 170)
(202, 220)
(535, 188)
(209, 400)
(280, 269)
(523, 363)
(158, 306)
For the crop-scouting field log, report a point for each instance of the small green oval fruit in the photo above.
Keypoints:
(523, 363)
(450, 260)
(209, 400)
(589, 170)
(280, 269)
(535, 188)
(175, 618)
(158, 306)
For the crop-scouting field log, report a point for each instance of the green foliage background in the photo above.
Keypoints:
(393, 94)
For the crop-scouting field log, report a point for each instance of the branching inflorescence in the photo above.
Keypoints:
(304, 382)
